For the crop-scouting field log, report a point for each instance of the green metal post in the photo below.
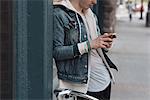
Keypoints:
(34, 71)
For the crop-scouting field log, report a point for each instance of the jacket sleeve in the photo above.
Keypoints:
(60, 51)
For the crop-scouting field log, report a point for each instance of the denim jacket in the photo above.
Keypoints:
(70, 64)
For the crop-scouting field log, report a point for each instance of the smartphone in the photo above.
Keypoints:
(113, 36)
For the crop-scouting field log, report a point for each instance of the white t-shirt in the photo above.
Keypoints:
(99, 75)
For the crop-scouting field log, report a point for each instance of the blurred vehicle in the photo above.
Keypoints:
(138, 8)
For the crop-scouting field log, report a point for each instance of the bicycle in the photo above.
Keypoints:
(68, 94)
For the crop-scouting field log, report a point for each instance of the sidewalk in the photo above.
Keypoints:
(131, 53)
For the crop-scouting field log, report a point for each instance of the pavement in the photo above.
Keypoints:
(131, 53)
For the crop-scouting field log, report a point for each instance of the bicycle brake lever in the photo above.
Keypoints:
(64, 92)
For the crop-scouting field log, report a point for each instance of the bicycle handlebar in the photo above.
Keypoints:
(60, 92)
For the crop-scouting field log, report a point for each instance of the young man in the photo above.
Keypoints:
(77, 49)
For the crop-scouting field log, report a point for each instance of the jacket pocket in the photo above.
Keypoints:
(71, 33)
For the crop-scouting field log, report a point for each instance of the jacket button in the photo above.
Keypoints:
(85, 66)
(84, 81)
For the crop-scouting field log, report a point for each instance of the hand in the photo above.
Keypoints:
(102, 41)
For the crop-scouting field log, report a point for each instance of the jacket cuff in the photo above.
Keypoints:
(76, 50)
(83, 47)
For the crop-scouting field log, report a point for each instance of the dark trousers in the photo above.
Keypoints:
(102, 95)
(130, 16)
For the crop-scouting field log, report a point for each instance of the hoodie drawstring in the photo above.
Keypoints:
(79, 27)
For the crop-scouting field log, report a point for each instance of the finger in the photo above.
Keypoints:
(103, 46)
(106, 35)
(106, 44)
(107, 39)
(109, 33)
(110, 43)
(109, 46)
